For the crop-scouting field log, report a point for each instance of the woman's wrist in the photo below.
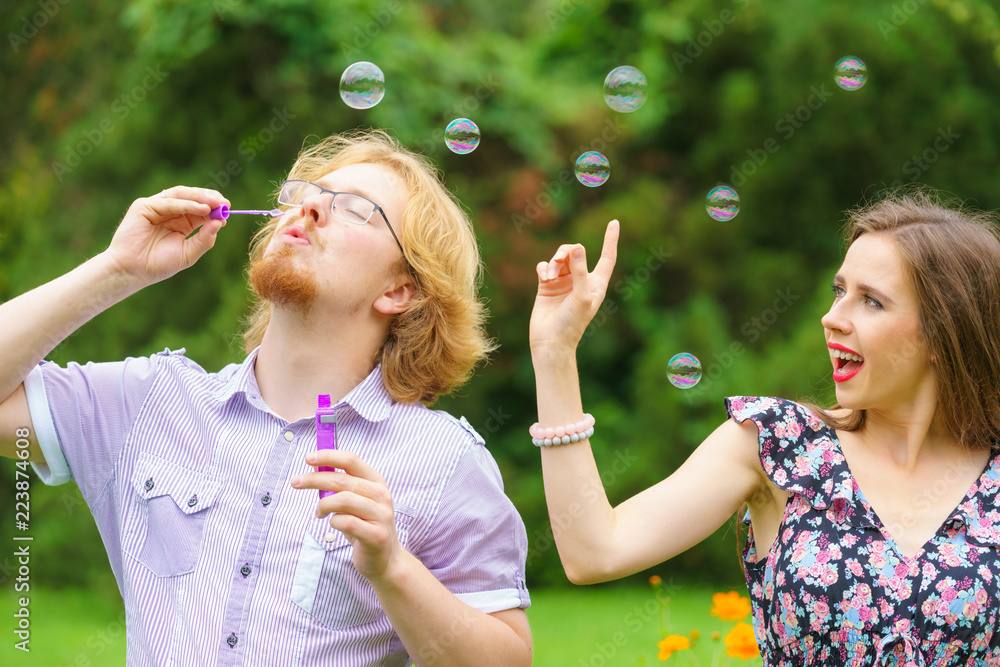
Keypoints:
(551, 354)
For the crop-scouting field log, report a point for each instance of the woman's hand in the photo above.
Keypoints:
(568, 296)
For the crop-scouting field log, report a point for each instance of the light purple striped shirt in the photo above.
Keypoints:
(219, 560)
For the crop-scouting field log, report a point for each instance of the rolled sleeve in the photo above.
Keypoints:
(55, 470)
(478, 544)
(83, 414)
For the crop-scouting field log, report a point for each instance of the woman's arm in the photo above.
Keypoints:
(598, 542)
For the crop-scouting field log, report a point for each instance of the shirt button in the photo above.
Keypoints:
(289, 436)
(149, 484)
(245, 570)
(231, 639)
(266, 500)
(193, 500)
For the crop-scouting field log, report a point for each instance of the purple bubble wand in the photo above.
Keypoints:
(223, 212)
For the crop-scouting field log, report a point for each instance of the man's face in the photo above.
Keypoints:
(315, 258)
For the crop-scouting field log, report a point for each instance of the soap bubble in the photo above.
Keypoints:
(362, 85)
(722, 203)
(592, 169)
(625, 89)
(684, 370)
(851, 73)
(461, 136)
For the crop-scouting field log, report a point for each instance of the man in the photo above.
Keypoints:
(204, 485)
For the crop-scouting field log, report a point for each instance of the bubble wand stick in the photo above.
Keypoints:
(223, 212)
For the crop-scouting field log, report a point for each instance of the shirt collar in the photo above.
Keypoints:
(238, 379)
(369, 399)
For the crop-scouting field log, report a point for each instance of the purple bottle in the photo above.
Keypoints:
(326, 433)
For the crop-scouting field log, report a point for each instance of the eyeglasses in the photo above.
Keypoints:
(345, 206)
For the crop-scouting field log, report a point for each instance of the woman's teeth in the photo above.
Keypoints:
(847, 356)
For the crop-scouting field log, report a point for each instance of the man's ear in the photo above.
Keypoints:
(396, 300)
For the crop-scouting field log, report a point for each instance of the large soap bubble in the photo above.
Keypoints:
(362, 85)
(625, 89)
(722, 203)
(684, 370)
(592, 169)
(461, 136)
(851, 73)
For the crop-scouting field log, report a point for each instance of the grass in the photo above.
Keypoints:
(71, 627)
(597, 626)
(620, 626)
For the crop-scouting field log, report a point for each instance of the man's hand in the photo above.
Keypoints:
(151, 242)
(149, 245)
(361, 509)
(419, 607)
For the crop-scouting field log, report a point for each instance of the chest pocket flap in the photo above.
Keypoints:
(167, 513)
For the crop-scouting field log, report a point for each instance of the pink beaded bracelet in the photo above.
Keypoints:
(562, 435)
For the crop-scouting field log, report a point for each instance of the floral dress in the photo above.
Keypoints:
(834, 589)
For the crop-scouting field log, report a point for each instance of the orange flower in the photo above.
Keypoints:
(716, 636)
(740, 642)
(655, 580)
(672, 643)
(694, 635)
(730, 606)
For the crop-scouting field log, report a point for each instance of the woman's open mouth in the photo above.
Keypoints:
(846, 363)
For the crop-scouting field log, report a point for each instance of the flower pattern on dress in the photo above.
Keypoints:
(834, 588)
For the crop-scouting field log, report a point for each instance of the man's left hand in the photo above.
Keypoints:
(361, 508)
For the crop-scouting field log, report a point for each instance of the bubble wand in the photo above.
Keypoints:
(223, 212)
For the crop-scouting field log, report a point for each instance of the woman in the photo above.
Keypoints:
(874, 526)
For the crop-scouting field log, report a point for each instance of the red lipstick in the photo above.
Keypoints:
(844, 369)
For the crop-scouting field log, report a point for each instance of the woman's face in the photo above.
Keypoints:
(879, 354)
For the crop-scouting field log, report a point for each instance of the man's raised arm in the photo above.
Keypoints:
(149, 245)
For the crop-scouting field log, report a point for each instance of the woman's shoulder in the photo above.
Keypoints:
(799, 453)
(773, 412)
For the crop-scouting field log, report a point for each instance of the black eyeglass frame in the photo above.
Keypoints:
(353, 194)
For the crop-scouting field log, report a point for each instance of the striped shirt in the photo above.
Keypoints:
(218, 559)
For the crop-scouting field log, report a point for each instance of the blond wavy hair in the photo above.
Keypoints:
(433, 347)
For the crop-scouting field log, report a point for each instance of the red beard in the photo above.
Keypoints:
(276, 279)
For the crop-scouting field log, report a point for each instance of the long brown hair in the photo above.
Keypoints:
(952, 259)
(432, 347)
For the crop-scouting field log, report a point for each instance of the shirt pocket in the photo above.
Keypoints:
(327, 586)
(166, 522)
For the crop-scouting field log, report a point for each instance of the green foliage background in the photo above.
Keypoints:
(105, 102)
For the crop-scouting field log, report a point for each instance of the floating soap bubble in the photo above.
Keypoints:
(362, 85)
(625, 89)
(461, 136)
(592, 169)
(851, 73)
(722, 203)
(684, 370)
